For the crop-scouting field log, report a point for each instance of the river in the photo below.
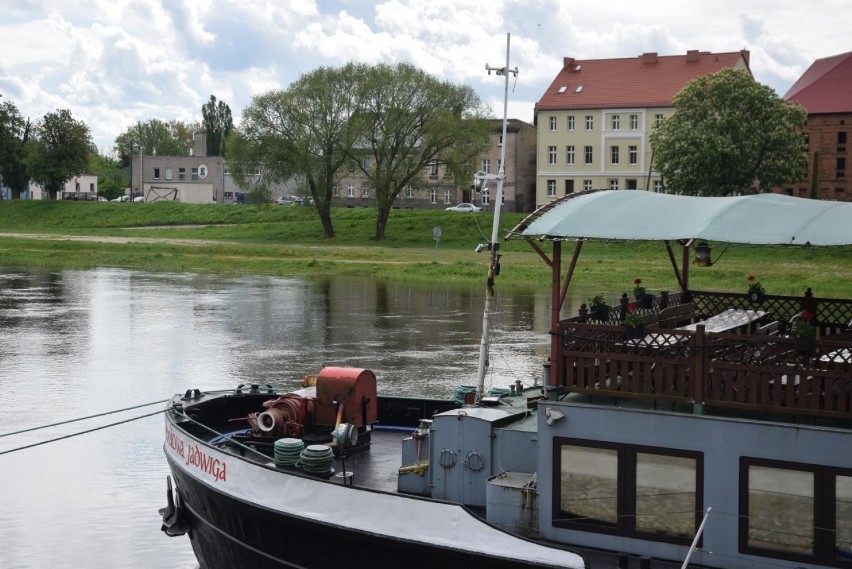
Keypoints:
(76, 344)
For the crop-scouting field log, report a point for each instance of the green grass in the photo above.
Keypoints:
(276, 240)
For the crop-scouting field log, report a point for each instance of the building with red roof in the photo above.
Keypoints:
(825, 92)
(595, 118)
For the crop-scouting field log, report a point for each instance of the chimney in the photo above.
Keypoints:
(567, 62)
(649, 57)
(691, 55)
(199, 147)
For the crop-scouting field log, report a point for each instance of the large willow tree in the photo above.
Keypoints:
(730, 135)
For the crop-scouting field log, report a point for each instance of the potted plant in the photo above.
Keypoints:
(756, 292)
(633, 325)
(598, 308)
(642, 297)
(803, 332)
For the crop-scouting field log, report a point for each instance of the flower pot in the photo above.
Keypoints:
(599, 313)
(645, 300)
(633, 333)
(757, 296)
(803, 343)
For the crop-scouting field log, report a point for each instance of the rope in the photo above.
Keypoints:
(82, 418)
(215, 432)
(81, 432)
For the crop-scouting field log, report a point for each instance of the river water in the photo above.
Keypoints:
(76, 344)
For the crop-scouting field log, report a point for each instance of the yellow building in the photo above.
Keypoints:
(594, 120)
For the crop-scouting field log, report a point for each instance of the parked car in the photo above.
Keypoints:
(121, 199)
(284, 200)
(466, 207)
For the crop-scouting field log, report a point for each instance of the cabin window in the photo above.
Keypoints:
(627, 490)
(796, 511)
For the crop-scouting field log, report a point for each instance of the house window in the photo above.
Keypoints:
(840, 164)
(627, 490)
(613, 154)
(486, 165)
(433, 168)
(551, 155)
(365, 164)
(616, 122)
(633, 154)
(485, 198)
(552, 122)
(587, 185)
(433, 196)
(447, 196)
(409, 192)
(168, 173)
(350, 190)
(841, 138)
(587, 154)
(91, 187)
(658, 186)
(500, 139)
(613, 184)
(590, 122)
(551, 188)
(571, 122)
(335, 191)
(658, 120)
(156, 173)
(181, 173)
(365, 191)
(634, 122)
(195, 173)
(569, 154)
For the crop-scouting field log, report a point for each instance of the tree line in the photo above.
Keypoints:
(386, 124)
(58, 147)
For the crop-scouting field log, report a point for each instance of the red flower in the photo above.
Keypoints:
(750, 278)
(807, 315)
(633, 306)
(637, 280)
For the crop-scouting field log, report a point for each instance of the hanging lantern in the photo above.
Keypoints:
(702, 254)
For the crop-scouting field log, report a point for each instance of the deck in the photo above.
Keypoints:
(686, 356)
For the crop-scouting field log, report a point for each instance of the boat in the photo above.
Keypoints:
(712, 438)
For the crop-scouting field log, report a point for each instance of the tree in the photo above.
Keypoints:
(112, 180)
(218, 124)
(730, 135)
(305, 131)
(60, 149)
(14, 133)
(156, 137)
(406, 120)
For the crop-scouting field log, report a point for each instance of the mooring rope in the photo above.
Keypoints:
(82, 418)
(81, 432)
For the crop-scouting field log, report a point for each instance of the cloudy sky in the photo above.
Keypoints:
(115, 62)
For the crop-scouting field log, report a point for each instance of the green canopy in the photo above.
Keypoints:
(762, 219)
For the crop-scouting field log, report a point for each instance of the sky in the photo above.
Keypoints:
(115, 62)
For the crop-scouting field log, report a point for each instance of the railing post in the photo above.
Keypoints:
(664, 299)
(699, 369)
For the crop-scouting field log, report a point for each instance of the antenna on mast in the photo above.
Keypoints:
(494, 245)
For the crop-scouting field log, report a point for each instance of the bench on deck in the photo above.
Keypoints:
(675, 316)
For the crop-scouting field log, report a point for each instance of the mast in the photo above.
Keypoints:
(494, 246)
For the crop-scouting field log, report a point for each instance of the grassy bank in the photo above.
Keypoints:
(275, 240)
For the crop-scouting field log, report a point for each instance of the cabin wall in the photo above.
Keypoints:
(721, 442)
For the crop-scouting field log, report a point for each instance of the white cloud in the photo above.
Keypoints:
(114, 62)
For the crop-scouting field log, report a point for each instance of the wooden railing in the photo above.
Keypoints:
(755, 373)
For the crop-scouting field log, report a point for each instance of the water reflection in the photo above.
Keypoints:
(78, 343)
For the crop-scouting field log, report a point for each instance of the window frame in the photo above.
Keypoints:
(551, 155)
(824, 512)
(551, 188)
(552, 123)
(626, 491)
(571, 123)
(632, 154)
(570, 154)
(588, 155)
(615, 155)
(590, 122)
